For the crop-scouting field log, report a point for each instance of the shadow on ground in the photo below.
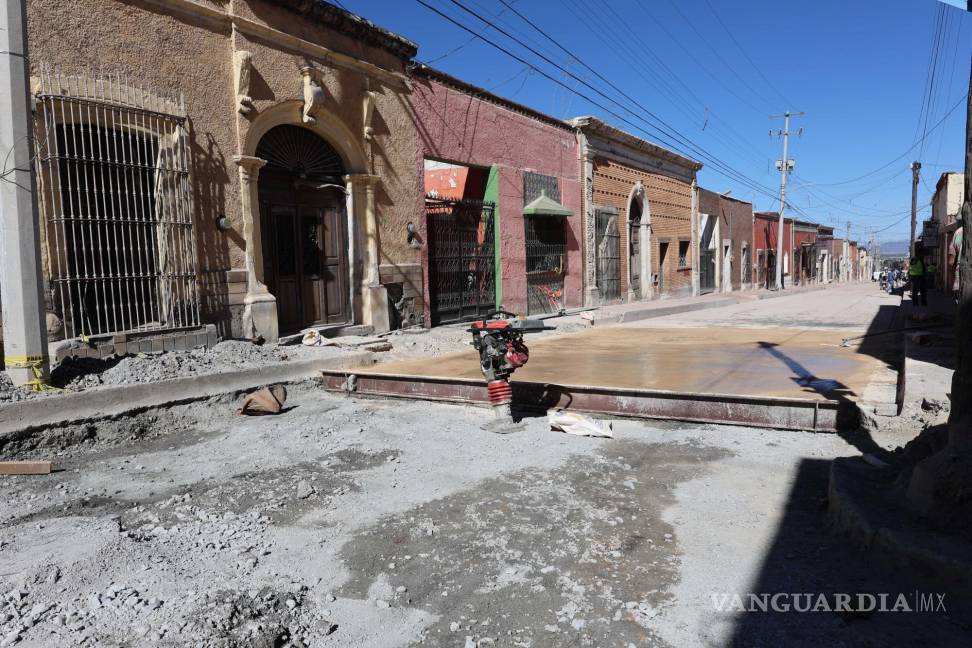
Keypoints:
(808, 560)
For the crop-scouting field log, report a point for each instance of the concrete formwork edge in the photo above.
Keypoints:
(758, 411)
(107, 402)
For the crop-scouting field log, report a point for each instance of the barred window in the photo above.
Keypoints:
(115, 193)
(683, 250)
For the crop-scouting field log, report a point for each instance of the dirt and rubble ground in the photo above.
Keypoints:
(379, 522)
(79, 374)
(357, 522)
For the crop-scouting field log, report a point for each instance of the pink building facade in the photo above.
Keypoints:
(532, 169)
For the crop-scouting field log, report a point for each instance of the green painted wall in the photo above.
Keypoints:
(492, 195)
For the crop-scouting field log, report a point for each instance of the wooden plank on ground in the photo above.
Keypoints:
(25, 467)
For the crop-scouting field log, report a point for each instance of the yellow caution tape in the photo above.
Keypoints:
(35, 364)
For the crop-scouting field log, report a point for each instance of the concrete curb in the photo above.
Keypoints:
(727, 299)
(107, 402)
(649, 313)
(924, 554)
(798, 290)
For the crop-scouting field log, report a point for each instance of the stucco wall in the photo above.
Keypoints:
(801, 236)
(454, 126)
(178, 52)
(947, 201)
(735, 224)
(765, 238)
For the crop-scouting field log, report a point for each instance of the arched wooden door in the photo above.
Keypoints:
(304, 225)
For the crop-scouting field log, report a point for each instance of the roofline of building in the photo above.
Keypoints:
(596, 126)
(353, 25)
(420, 69)
(726, 196)
(774, 215)
(941, 179)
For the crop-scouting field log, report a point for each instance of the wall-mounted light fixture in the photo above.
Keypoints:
(222, 222)
(412, 236)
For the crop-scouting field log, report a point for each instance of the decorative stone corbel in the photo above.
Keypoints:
(313, 93)
(242, 64)
(369, 110)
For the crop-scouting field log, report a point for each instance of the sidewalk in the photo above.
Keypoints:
(867, 501)
(635, 311)
(929, 352)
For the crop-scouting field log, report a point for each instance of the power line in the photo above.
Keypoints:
(906, 152)
(705, 41)
(461, 46)
(666, 132)
(668, 92)
(746, 55)
(951, 79)
(928, 69)
(678, 79)
(691, 55)
(898, 222)
(936, 49)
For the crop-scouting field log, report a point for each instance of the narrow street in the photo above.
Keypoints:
(376, 522)
(485, 324)
(852, 308)
(784, 356)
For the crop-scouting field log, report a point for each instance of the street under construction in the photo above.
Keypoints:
(777, 378)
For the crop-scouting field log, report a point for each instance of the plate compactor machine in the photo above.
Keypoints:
(499, 341)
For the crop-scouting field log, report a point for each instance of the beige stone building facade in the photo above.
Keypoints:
(248, 164)
(640, 207)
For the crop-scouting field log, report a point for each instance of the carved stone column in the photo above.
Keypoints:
(260, 307)
(646, 282)
(364, 219)
(592, 296)
(694, 252)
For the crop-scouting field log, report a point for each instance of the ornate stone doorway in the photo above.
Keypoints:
(304, 228)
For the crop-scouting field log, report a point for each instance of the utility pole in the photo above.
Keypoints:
(915, 169)
(21, 283)
(847, 260)
(785, 166)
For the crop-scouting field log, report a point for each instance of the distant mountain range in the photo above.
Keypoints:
(895, 248)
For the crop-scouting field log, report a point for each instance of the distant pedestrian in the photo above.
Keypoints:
(916, 274)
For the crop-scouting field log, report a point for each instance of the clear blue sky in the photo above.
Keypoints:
(859, 69)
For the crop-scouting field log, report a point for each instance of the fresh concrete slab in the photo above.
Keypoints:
(778, 362)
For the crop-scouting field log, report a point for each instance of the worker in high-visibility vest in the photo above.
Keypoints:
(916, 274)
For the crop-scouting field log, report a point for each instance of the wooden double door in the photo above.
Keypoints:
(305, 247)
